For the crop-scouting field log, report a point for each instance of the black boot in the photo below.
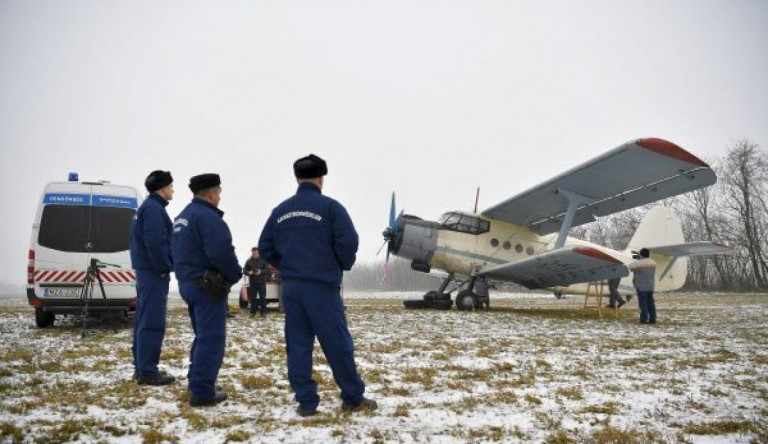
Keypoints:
(304, 413)
(159, 378)
(218, 397)
(365, 404)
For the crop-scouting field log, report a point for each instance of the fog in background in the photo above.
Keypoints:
(429, 99)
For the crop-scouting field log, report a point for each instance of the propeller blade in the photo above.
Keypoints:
(392, 212)
(382, 246)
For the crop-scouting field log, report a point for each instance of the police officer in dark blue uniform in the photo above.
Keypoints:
(310, 238)
(206, 267)
(151, 258)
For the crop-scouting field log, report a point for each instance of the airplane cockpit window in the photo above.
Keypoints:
(464, 223)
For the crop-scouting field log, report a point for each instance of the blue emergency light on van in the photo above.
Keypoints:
(96, 200)
(74, 177)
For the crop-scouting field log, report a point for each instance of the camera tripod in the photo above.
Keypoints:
(92, 276)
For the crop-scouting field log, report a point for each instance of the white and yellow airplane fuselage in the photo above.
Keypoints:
(465, 254)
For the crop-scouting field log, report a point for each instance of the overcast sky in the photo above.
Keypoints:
(429, 99)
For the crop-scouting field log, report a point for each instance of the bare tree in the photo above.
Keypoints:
(745, 182)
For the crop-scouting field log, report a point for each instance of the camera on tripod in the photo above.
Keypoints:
(92, 275)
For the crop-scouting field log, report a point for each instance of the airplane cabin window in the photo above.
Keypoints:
(507, 245)
(529, 250)
(464, 223)
(494, 242)
(519, 248)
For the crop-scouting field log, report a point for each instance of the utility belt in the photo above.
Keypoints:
(213, 283)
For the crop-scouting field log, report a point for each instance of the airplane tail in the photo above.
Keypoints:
(660, 229)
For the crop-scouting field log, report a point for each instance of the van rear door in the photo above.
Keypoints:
(80, 222)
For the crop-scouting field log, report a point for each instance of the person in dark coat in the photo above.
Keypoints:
(151, 258)
(310, 238)
(615, 300)
(206, 268)
(257, 270)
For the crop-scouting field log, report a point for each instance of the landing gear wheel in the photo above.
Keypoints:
(442, 304)
(416, 303)
(466, 301)
(44, 319)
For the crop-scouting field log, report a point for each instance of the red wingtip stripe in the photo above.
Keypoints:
(597, 254)
(669, 149)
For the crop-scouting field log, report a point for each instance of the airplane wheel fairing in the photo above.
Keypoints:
(466, 301)
(442, 304)
(430, 295)
(415, 304)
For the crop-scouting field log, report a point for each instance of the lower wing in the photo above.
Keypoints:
(560, 268)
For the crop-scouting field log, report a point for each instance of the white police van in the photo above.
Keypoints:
(76, 222)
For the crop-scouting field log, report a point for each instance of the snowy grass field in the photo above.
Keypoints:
(531, 369)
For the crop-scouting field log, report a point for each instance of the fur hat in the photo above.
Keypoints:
(158, 179)
(309, 167)
(204, 181)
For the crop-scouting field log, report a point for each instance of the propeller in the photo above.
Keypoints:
(391, 234)
(393, 229)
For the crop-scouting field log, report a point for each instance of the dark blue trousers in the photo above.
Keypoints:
(258, 294)
(313, 309)
(647, 306)
(208, 319)
(149, 320)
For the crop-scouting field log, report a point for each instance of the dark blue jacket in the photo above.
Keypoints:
(201, 241)
(151, 236)
(310, 237)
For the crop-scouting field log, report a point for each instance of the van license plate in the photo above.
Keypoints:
(62, 292)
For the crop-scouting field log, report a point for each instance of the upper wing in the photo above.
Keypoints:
(563, 267)
(634, 174)
(692, 249)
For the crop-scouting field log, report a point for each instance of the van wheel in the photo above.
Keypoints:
(44, 319)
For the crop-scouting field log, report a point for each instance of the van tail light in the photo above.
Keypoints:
(134, 302)
(31, 267)
(35, 302)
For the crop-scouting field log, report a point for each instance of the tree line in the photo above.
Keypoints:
(734, 211)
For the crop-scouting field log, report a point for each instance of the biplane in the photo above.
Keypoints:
(524, 239)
